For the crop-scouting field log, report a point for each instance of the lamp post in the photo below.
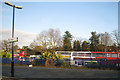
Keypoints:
(12, 62)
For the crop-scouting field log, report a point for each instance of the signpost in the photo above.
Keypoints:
(12, 39)
(15, 39)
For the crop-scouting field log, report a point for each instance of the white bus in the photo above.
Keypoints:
(78, 57)
(64, 54)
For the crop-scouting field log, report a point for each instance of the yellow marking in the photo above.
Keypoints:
(66, 56)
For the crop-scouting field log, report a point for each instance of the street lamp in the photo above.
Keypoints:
(12, 62)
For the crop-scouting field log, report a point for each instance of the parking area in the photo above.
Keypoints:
(42, 72)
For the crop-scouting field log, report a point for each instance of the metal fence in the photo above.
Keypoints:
(29, 61)
(59, 62)
(16, 60)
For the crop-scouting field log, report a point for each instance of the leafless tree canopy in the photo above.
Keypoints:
(4, 45)
(48, 39)
(105, 39)
(116, 37)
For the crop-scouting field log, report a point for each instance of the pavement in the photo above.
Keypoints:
(42, 72)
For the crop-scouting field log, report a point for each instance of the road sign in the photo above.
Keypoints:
(15, 39)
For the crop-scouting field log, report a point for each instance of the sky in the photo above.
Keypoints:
(79, 18)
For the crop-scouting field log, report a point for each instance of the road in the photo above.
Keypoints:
(42, 72)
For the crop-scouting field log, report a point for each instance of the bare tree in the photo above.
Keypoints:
(54, 38)
(4, 45)
(42, 39)
(105, 39)
(33, 44)
(108, 40)
(48, 39)
(116, 37)
(102, 38)
(51, 37)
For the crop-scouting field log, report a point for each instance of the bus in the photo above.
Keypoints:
(64, 54)
(96, 55)
(82, 58)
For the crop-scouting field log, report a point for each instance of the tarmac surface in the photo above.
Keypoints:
(42, 72)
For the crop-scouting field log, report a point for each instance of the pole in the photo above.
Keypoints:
(12, 62)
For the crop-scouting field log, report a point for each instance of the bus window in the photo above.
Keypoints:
(108, 55)
(68, 53)
(65, 53)
(62, 53)
(114, 55)
(93, 55)
(80, 54)
(58, 53)
(75, 62)
(105, 54)
(74, 54)
(99, 54)
(87, 54)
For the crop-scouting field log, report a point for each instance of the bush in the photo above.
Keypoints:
(5, 54)
(66, 65)
(59, 62)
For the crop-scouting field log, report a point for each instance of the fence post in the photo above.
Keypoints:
(7, 60)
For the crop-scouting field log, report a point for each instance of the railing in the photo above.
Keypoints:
(84, 62)
(16, 61)
(28, 61)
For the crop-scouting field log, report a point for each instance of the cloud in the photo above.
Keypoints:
(24, 38)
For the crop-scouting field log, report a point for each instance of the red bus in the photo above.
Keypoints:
(84, 57)
(106, 55)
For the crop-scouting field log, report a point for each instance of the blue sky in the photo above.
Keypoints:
(80, 18)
